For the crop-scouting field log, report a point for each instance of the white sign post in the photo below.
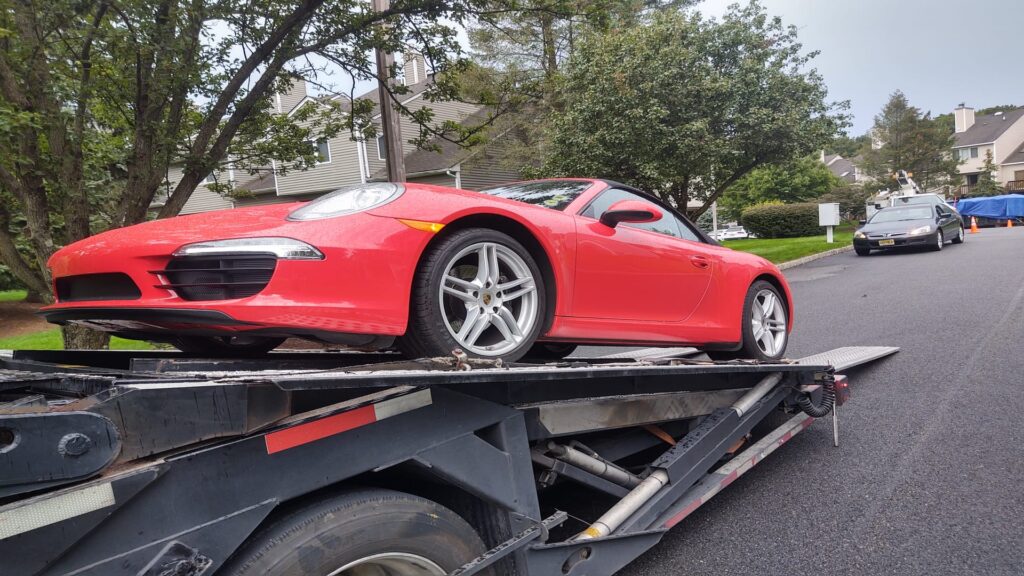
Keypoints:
(828, 216)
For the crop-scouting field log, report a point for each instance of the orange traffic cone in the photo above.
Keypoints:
(974, 225)
(1009, 223)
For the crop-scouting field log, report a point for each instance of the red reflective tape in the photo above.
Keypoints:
(684, 513)
(318, 429)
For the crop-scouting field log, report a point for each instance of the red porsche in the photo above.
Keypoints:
(530, 267)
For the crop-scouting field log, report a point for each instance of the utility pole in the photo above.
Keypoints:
(390, 127)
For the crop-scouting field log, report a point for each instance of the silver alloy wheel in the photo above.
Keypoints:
(960, 234)
(488, 299)
(939, 239)
(391, 564)
(768, 322)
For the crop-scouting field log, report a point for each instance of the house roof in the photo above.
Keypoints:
(371, 95)
(444, 154)
(987, 128)
(264, 183)
(1017, 157)
(843, 169)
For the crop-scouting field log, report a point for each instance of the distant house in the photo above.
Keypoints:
(1001, 134)
(343, 161)
(843, 168)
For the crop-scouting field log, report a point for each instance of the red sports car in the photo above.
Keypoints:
(537, 266)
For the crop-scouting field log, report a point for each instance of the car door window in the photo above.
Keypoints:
(666, 225)
(686, 231)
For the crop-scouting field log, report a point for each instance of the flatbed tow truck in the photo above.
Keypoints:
(362, 464)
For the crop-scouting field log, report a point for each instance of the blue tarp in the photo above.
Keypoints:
(995, 207)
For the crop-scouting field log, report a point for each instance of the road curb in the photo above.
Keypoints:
(813, 257)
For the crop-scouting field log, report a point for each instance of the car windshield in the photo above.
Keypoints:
(898, 215)
(554, 194)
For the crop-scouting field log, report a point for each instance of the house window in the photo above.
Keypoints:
(382, 148)
(974, 152)
(964, 153)
(323, 151)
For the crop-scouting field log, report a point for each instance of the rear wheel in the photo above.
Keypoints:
(364, 533)
(480, 291)
(765, 326)
(240, 345)
(959, 235)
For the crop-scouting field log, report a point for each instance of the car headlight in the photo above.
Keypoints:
(921, 230)
(348, 200)
(860, 235)
(283, 248)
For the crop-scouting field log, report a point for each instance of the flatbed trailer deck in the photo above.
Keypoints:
(154, 463)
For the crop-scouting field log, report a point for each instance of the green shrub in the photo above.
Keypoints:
(782, 220)
(7, 280)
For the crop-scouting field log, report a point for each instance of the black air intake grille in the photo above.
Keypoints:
(218, 277)
(85, 287)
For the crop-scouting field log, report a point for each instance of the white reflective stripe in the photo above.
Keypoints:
(39, 513)
(396, 406)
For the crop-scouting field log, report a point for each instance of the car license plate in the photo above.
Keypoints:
(886, 242)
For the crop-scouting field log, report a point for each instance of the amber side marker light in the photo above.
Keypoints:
(421, 225)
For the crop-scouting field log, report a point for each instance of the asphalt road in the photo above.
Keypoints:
(929, 477)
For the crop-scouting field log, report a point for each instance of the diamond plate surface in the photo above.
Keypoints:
(849, 356)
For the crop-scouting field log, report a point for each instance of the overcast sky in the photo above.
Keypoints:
(938, 52)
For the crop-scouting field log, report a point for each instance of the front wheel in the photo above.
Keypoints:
(940, 241)
(226, 346)
(363, 533)
(765, 326)
(862, 251)
(477, 290)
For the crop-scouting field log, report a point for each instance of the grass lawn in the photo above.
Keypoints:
(786, 249)
(12, 295)
(50, 340)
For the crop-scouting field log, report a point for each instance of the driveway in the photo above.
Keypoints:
(929, 478)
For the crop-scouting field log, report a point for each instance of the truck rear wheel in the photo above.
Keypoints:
(365, 532)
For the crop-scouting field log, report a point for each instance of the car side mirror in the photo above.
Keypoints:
(632, 211)
(862, 222)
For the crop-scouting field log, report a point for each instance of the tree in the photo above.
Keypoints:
(987, 184)
(798, 181)
(910, 140)
(98, 98)
(848, 147)
(684, 107)
(524, 51)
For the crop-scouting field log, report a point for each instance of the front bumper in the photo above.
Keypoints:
(361, 286)
(901, 242)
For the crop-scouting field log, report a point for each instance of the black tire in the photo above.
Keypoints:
(862, 251)
(225, 346)
(749, 350)
(333, 533)
(940, 240)
(550, 350)
(960, 236)
(427, 335)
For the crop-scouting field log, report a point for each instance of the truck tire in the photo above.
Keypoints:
(367, 531)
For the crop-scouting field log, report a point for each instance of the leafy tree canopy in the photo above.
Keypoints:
(910, 140)
(797, 181)
(686, 106)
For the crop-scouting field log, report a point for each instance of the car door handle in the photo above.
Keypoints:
(700, 262)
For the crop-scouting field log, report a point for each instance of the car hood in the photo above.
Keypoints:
(901, 226)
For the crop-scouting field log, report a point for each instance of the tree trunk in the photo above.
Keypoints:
(34, 297)
(80, 338)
